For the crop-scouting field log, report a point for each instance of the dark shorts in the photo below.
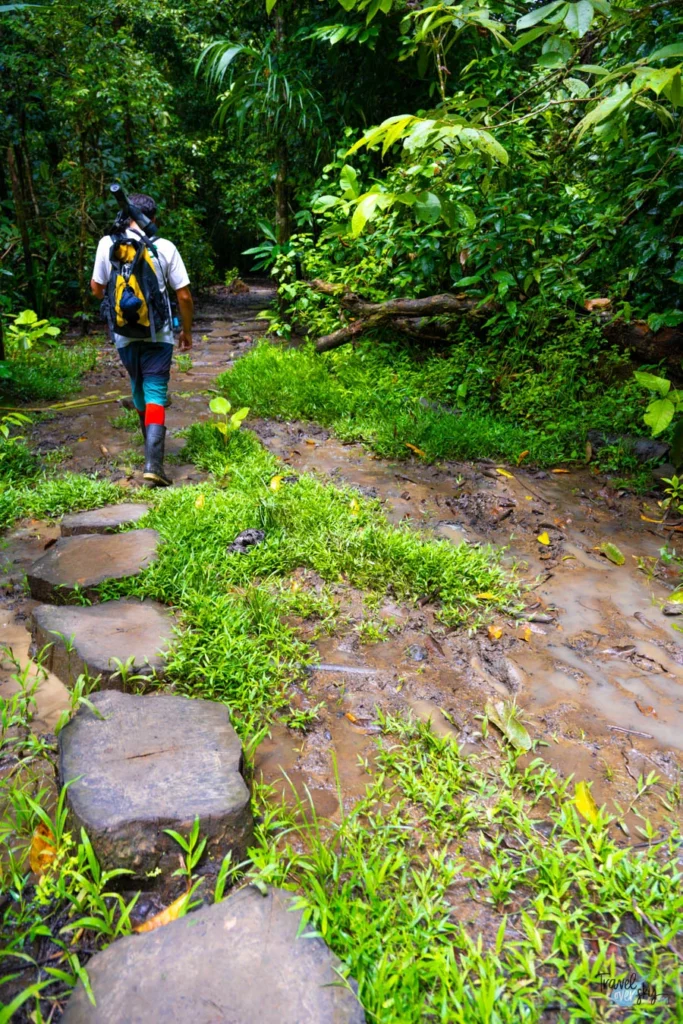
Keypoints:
(147, 359)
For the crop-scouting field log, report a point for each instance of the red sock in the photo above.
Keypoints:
(154, 414)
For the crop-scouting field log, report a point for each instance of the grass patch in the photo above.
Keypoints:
(235, 646)
(43, 376)
(467, 890)
(51, 497)
(464, 402)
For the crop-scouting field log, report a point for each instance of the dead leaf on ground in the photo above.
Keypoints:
(543, 538)
(309, 440)
(354, 506)
(486, 596)
(42, 851)
(504, 717)
(418, 451)
(351, 717)
(171, 913)
(646, 710)
(495, 632)
(585, 804)
(525, 634)
(104, 449)
(504, 472)
(589, 451)
(646, 519)
(560, 471)
(276, 483)
(522, 456)
(201, 501)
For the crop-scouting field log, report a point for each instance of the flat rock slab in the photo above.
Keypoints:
(91, 638)
(86, 561)
(102, 520)
(236, 962)
(145, 764)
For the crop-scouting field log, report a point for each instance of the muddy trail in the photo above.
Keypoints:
(594, 658)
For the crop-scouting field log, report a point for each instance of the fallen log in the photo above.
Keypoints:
(413, 317)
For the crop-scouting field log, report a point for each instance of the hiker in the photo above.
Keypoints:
(132, 274)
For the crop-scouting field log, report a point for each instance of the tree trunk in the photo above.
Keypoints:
(22, 224)
(282, 226)
(2, 342)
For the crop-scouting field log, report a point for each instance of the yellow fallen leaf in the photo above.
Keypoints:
(559, 471)
(646, 519)
(309, 440)
(276, 483)
(104, 449)
(565, 558)
(201, 501)
(355, 507)
(488, 595)
(543, 538)
(351, 717)
(585, 804)
(676, 597)
(504, 472)
(295, 585)
(495, 632)
(521, 456)
(171, 913)
(418, 451)
(528, 497)
(526, 634)
(42, 851)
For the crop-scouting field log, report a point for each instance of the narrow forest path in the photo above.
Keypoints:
(594, 661)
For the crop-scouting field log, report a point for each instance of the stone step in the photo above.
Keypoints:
(239, 962)
(145, 764)
(84, 561)
(88, 638)
(103, 520)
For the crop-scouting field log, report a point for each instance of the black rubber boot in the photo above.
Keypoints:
(154, 456)
(143, 428)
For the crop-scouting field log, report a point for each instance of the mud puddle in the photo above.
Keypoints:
(594, 663)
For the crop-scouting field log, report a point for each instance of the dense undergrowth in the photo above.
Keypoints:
(540, 396)
(559, 908)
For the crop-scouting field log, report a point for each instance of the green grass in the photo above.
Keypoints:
(43, 376)
(508, 399)
(441, 838)
(49, 497)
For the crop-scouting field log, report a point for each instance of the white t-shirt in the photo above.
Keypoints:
(170, 270)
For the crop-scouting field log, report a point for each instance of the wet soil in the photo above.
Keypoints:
(589, 656)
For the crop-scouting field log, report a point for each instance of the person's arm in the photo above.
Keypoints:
(97, 289)
(186, 309)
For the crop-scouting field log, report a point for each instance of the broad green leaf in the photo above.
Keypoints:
(269, 5)
(428, 208)
(612, 552)
(364, 212)
(579, 17)
(533, 17)
(220, 406)
(237, 417)
(530, 36)
(659, 415)
(324, 203)
(348, 180)
(504, 717)
(26, 318)
(653, 383)
(620, 97)
(672, 50)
